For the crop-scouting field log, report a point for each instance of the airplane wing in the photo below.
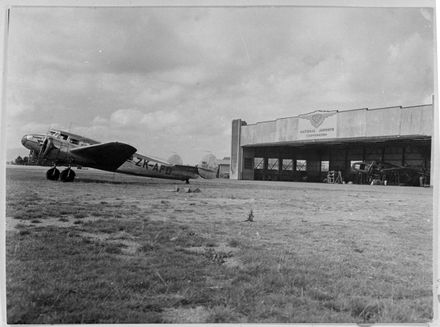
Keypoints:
(105, 155)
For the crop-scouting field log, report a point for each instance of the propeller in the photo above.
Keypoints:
(46, 147)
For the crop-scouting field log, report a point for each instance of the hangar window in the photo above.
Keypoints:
(325, 165)
(272, 164)
(354, 161)
(287, 164)
(248, 163)
(301, 165)
(258, 163)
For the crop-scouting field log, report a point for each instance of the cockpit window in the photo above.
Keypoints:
(64, 136)
(73, 141)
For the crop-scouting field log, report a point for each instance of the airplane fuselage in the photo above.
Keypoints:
(141, 166)
(59, 147)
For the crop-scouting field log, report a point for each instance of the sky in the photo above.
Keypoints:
(171, 80)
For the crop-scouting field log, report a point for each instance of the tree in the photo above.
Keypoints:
(18, 160)
(21, 161)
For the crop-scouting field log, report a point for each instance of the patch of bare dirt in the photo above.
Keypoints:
(130, 246)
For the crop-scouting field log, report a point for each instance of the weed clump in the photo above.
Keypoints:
(148, 247)
(211, 244)
(216, 257)
(319, 295)
(234, 243)
(114, 248)
(363, 308)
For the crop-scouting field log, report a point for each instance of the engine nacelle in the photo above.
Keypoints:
(54, 150)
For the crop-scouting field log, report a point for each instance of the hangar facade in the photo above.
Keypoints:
(308, 146)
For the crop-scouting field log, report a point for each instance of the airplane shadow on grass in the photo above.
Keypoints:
(99, 181)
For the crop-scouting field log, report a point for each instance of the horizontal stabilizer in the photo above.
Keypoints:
(188, 169)
(104, 155)
(207, 173)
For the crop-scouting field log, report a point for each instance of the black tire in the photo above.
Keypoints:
(67, 175)
(53, 174)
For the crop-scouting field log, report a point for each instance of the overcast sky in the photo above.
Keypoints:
(170, 80)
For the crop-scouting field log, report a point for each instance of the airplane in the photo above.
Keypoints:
(67, 149)
(400, 175)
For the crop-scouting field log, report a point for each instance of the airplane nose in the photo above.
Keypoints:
(24, 140)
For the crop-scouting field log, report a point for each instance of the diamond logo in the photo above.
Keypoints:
(317, 118)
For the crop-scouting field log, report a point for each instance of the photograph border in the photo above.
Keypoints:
(435, 155)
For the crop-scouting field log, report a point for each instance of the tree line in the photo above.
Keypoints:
(26, 161)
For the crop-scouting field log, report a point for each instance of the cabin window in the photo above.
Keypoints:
(73, 141)
(64, 136)
(287, 164)
(258, 163)
(301, 165)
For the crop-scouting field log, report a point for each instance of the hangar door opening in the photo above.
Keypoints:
(312, 163)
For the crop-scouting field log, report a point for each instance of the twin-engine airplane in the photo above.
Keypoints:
(66, 149)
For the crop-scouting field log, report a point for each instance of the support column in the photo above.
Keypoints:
(236, 168)
(403, 155)
(382, 156)
(346, 163)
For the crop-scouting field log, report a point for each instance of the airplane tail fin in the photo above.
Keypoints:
(208, 167)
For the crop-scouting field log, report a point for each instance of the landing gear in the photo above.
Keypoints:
(53, 174)
(186, 181)
(67, 175)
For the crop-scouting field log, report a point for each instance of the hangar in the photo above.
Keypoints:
(309, 146)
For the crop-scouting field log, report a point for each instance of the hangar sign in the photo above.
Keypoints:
(317, 125)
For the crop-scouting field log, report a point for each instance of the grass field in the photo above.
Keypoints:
(118, 249)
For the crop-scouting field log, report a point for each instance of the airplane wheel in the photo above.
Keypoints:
(53, 174)
(67, 175)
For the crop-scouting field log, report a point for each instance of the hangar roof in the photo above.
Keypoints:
(379, 124)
